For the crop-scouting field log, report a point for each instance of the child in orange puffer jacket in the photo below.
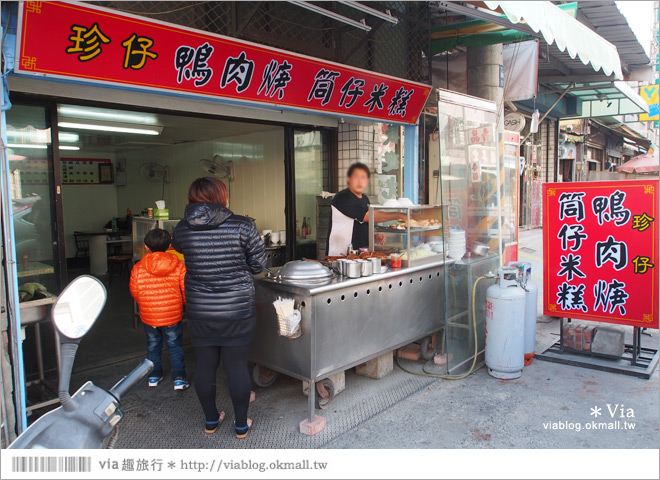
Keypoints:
(157, 287)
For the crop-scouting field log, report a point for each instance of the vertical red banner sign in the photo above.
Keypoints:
(601, 251)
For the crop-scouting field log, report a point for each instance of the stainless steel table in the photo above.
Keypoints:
(346, 322)
(35, 312)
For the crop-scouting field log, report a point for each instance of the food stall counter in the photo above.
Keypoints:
(346, 321)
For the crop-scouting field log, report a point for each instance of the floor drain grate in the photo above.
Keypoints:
(527, 250)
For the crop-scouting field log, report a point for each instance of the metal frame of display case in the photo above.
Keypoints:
(151, 223)
(470, 176)
(409, 232)
(138, 243)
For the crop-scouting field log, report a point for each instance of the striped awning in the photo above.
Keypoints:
(566, 32)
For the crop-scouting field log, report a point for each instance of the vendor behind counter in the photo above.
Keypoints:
(350, 213)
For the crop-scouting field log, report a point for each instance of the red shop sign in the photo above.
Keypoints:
(82, 42)
(601, 251)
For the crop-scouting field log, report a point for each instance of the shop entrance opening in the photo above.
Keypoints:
(110, 167)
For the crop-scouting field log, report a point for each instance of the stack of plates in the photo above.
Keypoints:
(456, 247)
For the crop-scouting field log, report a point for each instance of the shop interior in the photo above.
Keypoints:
(115, 164)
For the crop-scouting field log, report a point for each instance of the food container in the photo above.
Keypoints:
(366, 268)
(353, 269)
(395, 260)
(480, 249)
(375, 264)
(340, 266)
(437, 247)
(150, 212)
(301, 271)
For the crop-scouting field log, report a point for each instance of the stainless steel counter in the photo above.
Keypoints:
(345, 282)
(346, 322)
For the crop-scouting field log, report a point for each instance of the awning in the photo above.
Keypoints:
(479, 32)
(625, 132)
(567, 33)
(603, 99)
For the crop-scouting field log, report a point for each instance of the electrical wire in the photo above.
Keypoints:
(163, 12)
(113, 439)
(425, 373)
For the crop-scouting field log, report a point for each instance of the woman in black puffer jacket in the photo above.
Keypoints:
(222, 251)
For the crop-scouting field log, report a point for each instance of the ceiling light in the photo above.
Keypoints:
(28, 145)
(104, 114)
(111, 128)
(68, 137)
(36, 146)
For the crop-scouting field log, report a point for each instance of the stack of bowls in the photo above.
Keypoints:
(456, 247)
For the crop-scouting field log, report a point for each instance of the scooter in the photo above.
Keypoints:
(91, 415)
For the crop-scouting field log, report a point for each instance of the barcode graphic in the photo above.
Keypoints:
(51, 464)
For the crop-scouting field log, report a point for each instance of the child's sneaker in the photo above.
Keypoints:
(180, 383)
(154, 381)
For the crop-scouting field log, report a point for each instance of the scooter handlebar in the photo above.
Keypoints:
(122, 387)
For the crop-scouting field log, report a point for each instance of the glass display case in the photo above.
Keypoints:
(480, 190)
(141, 225)
(417, 235)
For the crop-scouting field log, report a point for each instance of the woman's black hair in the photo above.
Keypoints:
(157, 240)
(358, 166)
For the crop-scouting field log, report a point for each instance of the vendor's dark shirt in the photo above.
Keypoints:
(348, 213)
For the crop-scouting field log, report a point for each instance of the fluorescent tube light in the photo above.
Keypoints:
(68, 137)
(111, 128)
(27, 145)
(36, 146)
(104, 114)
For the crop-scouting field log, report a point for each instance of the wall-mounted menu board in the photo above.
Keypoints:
(75, 171)
(85, 171)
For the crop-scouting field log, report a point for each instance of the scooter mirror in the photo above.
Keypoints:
(78, 306)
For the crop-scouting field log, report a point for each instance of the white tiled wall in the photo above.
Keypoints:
(360, 143)
(257, 189)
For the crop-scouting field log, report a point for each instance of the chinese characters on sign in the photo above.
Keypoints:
(192, 63)
(86, 42)
(600, 251)
(137, 51)
(92, 43)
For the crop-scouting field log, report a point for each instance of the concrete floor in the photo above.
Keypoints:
(542, 409)
(483, 412)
